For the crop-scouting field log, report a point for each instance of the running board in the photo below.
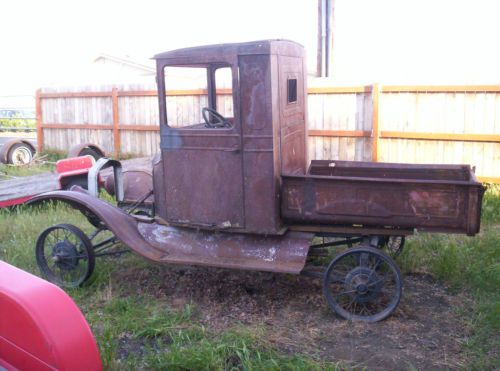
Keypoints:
(284, 254)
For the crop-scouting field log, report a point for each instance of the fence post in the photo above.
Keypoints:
(39, 130)
(116, 123)
(375, 122)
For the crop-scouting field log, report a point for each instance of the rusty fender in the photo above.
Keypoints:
(167, 244)
(123, 226)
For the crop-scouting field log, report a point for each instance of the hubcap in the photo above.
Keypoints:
(362, 289)
(21, 156)
(65, 255)
(363, 283)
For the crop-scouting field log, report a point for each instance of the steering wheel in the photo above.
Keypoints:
(220, 121)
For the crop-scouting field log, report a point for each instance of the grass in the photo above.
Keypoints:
(139, 331)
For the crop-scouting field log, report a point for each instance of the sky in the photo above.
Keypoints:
(46, 43)
(50, 40)
(417, 42)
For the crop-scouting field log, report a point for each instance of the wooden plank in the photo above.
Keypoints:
(339, 90)
(83, 94)
(440, 88)
(28, 186)
(339, 133)
(138, 93)
(311, 90)
(171, 93)
(375, 122)
(486, 179)
(39, 130)
(116, 123)
(78, 126)
(367, 126)
(325, 120)
(441, 136)
(359, 126)
(139, 127)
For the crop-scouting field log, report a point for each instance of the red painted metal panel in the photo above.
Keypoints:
(70, 165)
(14, 201)
(41, 328)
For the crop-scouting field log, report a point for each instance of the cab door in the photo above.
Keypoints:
(202, 158)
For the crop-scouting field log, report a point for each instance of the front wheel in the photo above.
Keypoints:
(65, 255)
(363, 284)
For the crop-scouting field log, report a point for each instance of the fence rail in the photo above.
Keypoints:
(416, 124)
(8, 128)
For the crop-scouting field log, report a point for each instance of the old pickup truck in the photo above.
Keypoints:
(231, 187)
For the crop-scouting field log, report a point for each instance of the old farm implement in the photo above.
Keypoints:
(231, 188)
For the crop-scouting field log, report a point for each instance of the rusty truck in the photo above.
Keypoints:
(231, 188)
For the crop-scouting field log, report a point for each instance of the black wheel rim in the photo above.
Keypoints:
(65, 255)
(363, 284)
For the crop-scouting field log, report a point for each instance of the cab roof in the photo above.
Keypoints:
(281, 47)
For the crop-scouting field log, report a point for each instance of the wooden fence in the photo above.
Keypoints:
(414, 124)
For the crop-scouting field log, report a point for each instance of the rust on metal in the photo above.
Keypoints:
(286, 254)
(166, 244)
(438, 198)
(229, 178)
(137, 181)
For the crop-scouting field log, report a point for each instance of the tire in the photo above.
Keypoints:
(90, 152)
(20, 154)
(66, 258)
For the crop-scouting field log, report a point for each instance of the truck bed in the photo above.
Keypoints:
(437, 198)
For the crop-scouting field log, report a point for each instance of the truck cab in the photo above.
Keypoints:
(221, 164)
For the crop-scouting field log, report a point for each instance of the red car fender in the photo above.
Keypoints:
(41, 328)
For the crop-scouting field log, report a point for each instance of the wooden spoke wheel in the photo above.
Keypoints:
(65, 255)
(363, 284)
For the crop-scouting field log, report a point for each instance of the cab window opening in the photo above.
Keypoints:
(199, 97)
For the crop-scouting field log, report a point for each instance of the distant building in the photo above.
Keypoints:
(109, 69)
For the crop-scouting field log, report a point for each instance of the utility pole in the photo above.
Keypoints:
(325, 38)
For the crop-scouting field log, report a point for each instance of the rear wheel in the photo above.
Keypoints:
(65, 255)
(363, 284)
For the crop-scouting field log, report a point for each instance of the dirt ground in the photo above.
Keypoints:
(425, 331)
